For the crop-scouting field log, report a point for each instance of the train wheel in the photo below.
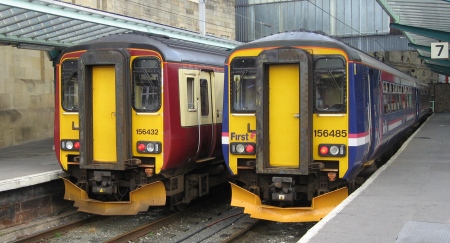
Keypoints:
(176, 202)
(181, 206)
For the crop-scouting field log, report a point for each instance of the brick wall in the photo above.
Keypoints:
(26, 96)
(30, 203)
(442, 97)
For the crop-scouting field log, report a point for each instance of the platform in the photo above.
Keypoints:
(406, 200)
(28, 164)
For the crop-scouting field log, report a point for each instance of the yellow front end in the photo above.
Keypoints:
(287, 133)
(68, 112)
(100, 130)
(331, 129)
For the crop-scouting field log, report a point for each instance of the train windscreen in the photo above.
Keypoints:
(69, 85)
(146, 75)
(330, 85)
(243, 89)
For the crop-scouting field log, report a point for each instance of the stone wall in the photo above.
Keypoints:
(26, 96)
(27, 78)
(409, 63)
(184, 14)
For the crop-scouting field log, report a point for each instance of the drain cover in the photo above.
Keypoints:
(415, 232)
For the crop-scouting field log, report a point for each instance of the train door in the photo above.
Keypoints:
(284, 119)
(103, 114)
(367, 99)
(206, 107)
(196, 107)
(375, 100)
(283, 111)
(105, 109)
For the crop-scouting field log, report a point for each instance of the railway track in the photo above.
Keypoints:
(46, 235)
(209, 220)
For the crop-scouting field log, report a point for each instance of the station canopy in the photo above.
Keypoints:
(423, 22)
(53, 25)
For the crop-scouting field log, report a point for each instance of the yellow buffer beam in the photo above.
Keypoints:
(320, 206)
(153, 194)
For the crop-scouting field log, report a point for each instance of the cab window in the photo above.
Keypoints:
(242, 80)
(146, 76)
(69, 85)
(330, 85)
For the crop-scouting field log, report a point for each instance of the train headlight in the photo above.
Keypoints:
(148, 147)
(242, 148)
(70, 145)
(336, 150)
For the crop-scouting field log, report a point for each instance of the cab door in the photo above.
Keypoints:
(104, 114)
(105, 108)
(284, 115)
(283, 111)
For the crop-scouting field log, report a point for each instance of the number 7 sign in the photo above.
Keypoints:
(439, 50)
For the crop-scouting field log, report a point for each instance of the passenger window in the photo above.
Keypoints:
(386, 104)
(204, 97)
(69, 85)
(330, 85)
(190, 93)
(146, 75)
(243, 89)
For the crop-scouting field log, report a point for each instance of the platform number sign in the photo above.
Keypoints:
(439, 50)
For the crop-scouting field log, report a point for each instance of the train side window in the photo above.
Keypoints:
(386, 104)
(146, 75)
(204, 97)
(330, 85)
(243, 89)
(190, 88)
(69, 85)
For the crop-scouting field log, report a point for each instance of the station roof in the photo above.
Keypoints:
(423, 22)
(53, 25)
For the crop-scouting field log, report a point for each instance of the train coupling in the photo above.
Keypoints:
(320, 206)
(282, 190)
(102, 183)
(141, 199)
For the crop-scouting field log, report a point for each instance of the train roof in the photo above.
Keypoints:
(172, 50)
(303, 38)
